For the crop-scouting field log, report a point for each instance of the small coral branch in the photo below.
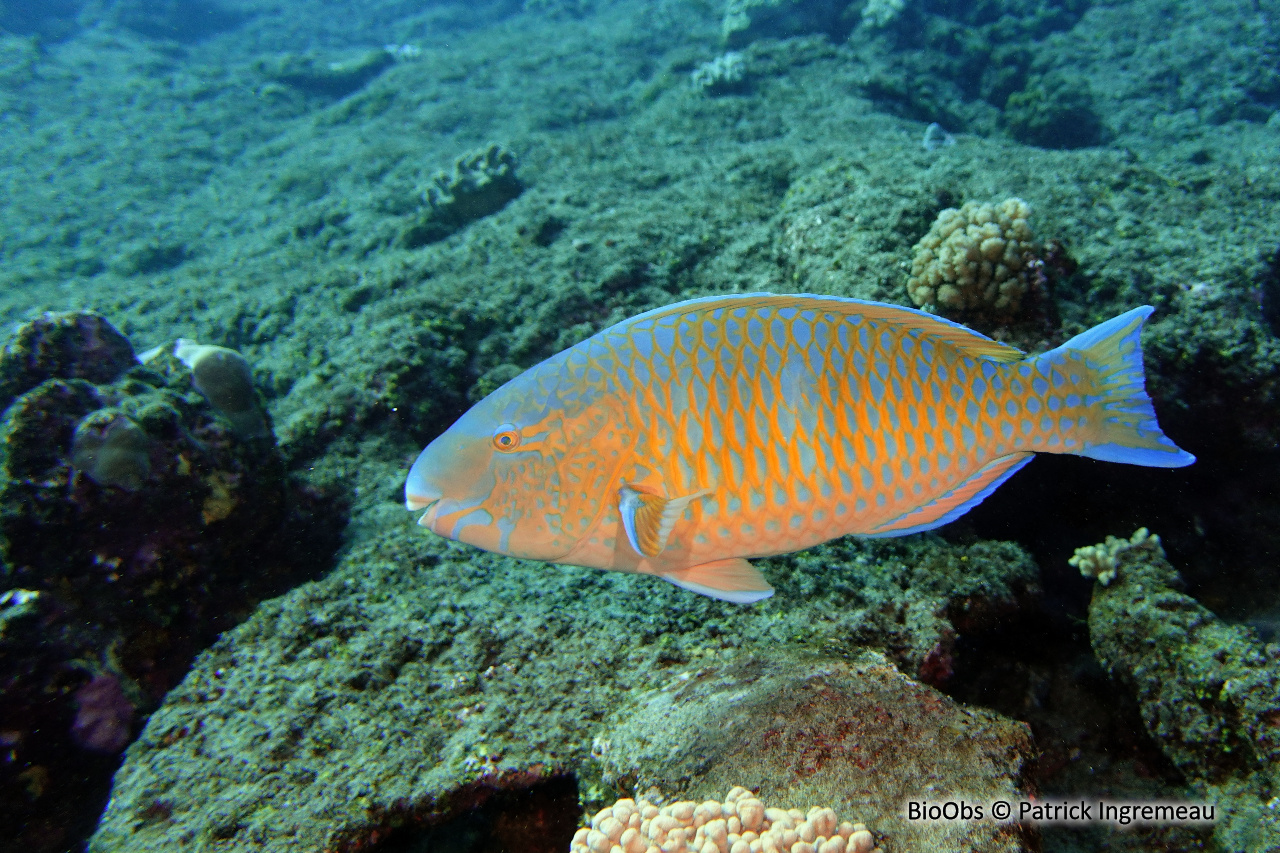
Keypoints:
(1099, 561)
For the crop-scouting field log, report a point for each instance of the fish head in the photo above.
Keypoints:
(494, 478)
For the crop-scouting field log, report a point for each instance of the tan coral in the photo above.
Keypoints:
(973, 260)
(1099, 561)
(741, 824)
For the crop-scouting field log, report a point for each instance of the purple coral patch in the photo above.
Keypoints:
(104, 720)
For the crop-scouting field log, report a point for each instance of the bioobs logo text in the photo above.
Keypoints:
(922, 810)
(1078, 811)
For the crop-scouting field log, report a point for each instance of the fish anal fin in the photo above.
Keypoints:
(949, 506)
(731, 579)
(648, 517)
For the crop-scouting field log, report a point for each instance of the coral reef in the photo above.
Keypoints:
(974, 260)
(134, 526)
(1209, 692)
(739, 824)
(421, 677)
(174, 188)
(481, 182)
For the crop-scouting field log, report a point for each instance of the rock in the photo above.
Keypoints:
(1209, 692)
(858, 737)
(421, 678)
(330, 77)
(481, 183)
(134, 526)
(748, 20)
(71, 345)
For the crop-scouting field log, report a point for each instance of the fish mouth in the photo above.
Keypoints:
(414, 502)
(428, 505)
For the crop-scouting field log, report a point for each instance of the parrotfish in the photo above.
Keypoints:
(689, 439)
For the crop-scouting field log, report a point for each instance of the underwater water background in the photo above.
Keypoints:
(219, 628)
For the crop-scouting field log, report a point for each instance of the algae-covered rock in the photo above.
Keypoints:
(1054, 111)
(331, 77)
(134, 526)
(748, 20)
(72, 345)
(481, 183)
(858, 737)
(422, 672)
(1209, 692)
(177, 20)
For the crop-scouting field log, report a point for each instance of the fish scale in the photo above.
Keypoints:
(687, 439)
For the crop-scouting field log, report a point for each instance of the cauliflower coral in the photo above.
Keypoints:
(1100, 561)
(974, 260)
(741, 824)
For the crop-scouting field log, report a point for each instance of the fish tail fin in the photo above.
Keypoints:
(1127, 430)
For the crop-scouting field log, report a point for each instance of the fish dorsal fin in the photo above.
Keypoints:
(648, 517)
(732, 579)
(955, 503)
(963, 338)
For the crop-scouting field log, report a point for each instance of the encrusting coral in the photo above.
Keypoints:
(974, 259)
(225, 378)
(741, 824)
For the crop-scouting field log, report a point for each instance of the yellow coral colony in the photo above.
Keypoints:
(973, 259)
(741, 824)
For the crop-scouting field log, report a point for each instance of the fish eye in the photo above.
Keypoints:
(506, 438)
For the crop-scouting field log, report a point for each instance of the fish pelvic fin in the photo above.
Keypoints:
(648, 517)
(1126, 430)
(732, 579)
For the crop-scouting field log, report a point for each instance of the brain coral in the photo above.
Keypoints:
(741, 824)
(974, 260)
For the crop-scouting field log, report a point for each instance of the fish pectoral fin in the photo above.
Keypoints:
(955, 503)
(649, 517)
(732, 579)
